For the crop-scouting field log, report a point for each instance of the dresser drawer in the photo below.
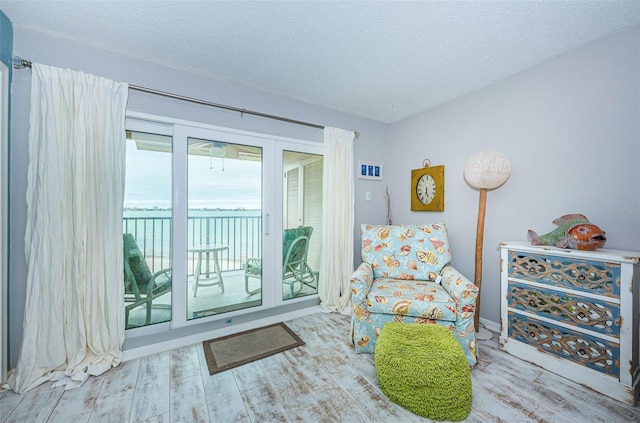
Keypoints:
(590, 276)
(587, 313)
(588, 351)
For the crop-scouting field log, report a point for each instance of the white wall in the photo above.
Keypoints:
(42, 48)
(571, 129)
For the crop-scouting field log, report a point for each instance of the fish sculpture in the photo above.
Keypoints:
(573, 231)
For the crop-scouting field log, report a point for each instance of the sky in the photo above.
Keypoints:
(148, 181)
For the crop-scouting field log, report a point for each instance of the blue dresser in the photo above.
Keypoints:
(574, 313)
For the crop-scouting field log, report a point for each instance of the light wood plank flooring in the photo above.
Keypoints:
(323, 381)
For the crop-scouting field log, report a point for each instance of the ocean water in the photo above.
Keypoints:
(129, 213)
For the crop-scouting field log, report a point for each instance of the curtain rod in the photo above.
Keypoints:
(21, 63)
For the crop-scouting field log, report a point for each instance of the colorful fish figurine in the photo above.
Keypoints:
(573, 231)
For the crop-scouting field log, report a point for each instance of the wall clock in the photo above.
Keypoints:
(427, 188)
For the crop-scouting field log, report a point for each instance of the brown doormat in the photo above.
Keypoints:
(241, 348)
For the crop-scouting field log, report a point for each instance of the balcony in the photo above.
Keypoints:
(241, 231)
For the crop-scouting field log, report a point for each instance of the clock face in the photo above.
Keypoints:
(426, 189)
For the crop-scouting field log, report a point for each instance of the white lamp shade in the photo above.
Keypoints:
(487, 169)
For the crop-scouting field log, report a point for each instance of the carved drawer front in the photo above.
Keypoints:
(585, 275)
(598, 316)
(589, 351)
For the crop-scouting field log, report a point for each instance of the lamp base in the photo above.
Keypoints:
(483, 334)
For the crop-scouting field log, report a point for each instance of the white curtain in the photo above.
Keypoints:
(74, 312)
(336, 265)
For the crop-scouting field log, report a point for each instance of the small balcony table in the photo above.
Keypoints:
(216, 279)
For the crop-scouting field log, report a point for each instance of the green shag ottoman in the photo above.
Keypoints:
(423, 368)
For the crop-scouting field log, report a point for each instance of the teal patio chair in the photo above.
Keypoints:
(141, 287)
(296, 272)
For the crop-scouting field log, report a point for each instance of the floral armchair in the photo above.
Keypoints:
(405, 276)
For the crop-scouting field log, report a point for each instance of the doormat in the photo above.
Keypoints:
(241, 348)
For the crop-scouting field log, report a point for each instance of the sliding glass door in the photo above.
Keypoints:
(218, 223)
(224, 227)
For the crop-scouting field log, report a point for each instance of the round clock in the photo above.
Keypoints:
(427, 188)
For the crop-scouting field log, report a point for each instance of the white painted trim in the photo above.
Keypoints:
(179, 222)
(134, 353)
(4, 220)
(224, 129)
(601, 254)
(490, 325)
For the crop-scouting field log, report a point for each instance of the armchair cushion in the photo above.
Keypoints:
(409, 252)
(412, 298)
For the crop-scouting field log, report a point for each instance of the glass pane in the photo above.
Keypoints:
(147, 229)
(224, 227)
(302, 222)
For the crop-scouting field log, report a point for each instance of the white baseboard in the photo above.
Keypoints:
(138, 352)
(490, 325)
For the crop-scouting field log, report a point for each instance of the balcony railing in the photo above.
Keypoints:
(243, 235)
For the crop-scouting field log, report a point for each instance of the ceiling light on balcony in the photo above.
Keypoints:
(216, 151)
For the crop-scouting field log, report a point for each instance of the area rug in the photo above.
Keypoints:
(241, 348)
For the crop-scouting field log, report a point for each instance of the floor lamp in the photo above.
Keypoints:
(484, 171)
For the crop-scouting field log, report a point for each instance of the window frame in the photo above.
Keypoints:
(272, 210)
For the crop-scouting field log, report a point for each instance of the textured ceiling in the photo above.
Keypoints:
(381, 60)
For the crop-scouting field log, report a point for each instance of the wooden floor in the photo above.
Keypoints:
(323, 381)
